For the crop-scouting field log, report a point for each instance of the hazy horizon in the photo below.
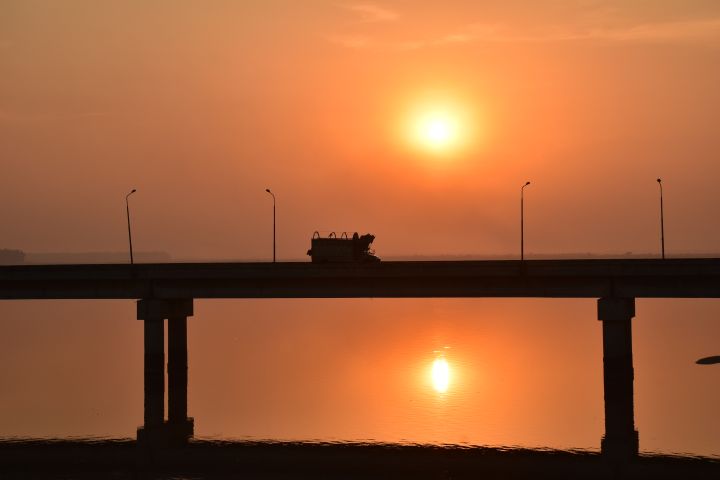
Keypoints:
(164, 256)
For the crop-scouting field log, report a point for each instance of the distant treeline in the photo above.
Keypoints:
(11, 257)
(96, 257)
(17, 257)
(548, 256)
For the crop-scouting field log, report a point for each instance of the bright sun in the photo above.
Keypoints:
(437, 131)
(440, 375)
(439, 126)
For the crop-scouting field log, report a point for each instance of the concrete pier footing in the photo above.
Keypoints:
(156, 432)
(621, 439)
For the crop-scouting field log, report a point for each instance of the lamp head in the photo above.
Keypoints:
(527, 183)
(659, 180)
(268, 190)
(133, 191)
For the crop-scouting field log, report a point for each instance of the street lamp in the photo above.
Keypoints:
(127, 210)
(273, 196)
(522, 221)
(662, 224)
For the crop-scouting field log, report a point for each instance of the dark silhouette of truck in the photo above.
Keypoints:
(334, 249)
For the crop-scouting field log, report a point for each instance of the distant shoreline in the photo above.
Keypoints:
(19, 257)
(47, 258)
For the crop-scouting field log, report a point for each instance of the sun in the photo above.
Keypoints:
(439, 126)
(437, 131)
(440, 375)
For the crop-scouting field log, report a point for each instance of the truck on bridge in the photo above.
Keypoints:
(334, 249)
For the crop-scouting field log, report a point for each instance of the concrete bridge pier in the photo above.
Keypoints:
(180, 427)
(156, 432)
(621, 439)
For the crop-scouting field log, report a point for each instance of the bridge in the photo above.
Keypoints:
(167, 291)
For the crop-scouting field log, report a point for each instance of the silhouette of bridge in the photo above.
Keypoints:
(167, 291)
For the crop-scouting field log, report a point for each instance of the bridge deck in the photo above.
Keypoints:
(672, 278)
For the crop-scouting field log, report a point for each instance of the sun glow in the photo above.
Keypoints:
(440, 375)
(439, 126)
(437, 131)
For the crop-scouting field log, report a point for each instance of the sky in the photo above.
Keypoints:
(202, 105)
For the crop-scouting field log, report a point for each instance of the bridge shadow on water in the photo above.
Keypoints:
(212, 459)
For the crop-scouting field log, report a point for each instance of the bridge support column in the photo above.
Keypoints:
(621, 439)
(179, 428)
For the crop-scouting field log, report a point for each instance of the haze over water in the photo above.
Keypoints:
(417, 122)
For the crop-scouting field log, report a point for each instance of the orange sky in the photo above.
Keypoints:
(202, 105)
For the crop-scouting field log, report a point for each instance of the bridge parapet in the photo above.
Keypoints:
(635, 278)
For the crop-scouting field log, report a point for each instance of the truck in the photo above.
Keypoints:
(334, 249)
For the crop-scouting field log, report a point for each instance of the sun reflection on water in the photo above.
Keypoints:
(440, 374)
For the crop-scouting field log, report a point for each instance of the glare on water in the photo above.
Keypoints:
(440, 375)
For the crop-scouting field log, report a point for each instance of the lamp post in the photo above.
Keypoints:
(522, 221)
(127, 210)
(273, 197)
(662, 221)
